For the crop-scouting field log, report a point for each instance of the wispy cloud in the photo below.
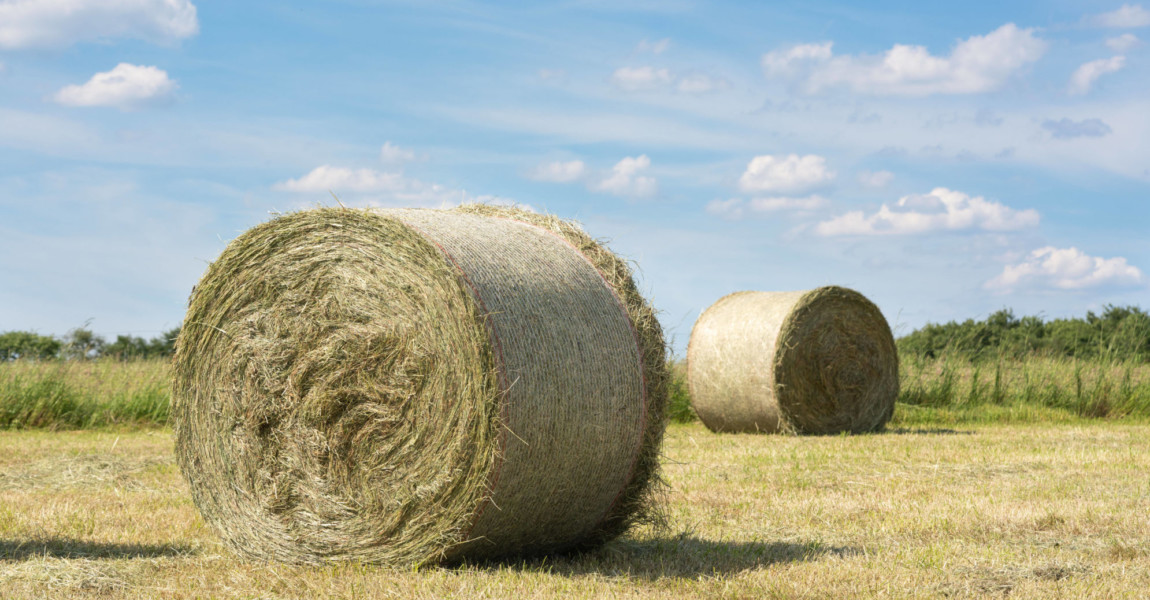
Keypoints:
(1064, 128)
(1127, 16)
(654, 47)
(940, 210)
(1066, 269)
(977, 64)
(875, 179)
(648, 79)
(58, 23)
(559, 171)
(1084, 76)
(375, 188)
(126, 87)
(637, 79)
(1122, 43)
(390, 153)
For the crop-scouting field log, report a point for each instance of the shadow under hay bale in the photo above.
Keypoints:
(814, 362)
(413, 386)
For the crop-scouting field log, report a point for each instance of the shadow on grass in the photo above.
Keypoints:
(928, 431)
(71, 548)
(683, 556)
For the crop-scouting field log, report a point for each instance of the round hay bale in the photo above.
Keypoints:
(414, 386)
(818, 361)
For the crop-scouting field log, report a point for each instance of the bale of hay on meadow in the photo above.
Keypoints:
(818, 361)
(416, 386)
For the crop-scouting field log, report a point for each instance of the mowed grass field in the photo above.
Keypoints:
(984, 510)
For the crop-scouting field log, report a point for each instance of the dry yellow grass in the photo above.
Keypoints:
(1030, 511)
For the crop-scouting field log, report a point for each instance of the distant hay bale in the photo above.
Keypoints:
(817, 361)
(414, 386)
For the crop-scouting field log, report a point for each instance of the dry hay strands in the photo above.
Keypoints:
(415, 386)
(818, 361)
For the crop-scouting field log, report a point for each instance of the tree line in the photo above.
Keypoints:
(1119, 333)
(82, 344)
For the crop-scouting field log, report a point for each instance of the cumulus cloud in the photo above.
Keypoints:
(390, 153)
(1066, 269)
(126, 87)
(1122, 43)
(1084, 77)
(875, 179)
(58, 23)
(785, 174)
(1128, 16)
(1067, 129)
(975, 65)
(940, 210)
(655, 47)
(627, 179)
(559, 171)
(647, 79)
(374, 187)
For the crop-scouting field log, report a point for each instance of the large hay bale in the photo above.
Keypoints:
(413, 386)
(817, 361)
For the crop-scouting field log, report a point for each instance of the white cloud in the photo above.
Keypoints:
(1128, 16)
(1066, 269)
(975, 65)
(638, 79)
(559, 171)
(1084, 77)
(783, 62)
(375, 188)
(125, 87)
(552, 74)
(1122, 43)
(57, 23)
(785, 174)
(875, 179)
(390, 153)
(655, 47)
(940, 210)
(626, 179)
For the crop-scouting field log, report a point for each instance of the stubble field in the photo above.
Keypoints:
(985, 510)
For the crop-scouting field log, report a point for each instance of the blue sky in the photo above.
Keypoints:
(945, 160)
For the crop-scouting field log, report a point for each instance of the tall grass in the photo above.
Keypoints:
(72, 394)
(952, 389)
(66, 394)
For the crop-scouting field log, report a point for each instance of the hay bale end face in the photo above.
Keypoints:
(415, 386)
(818, 361)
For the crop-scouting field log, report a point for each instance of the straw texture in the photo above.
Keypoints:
(414, 386)
(817, 361)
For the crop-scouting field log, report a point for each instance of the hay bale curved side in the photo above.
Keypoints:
(637, 502)
(359, 385)
(816, 361)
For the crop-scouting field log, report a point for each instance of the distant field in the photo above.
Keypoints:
(93, 394)
(1018, 511)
